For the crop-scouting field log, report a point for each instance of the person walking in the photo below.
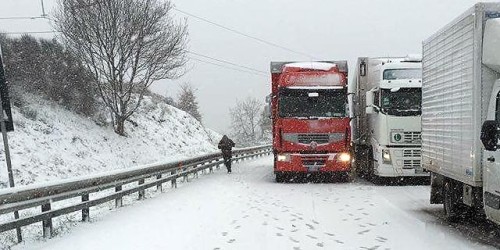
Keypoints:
(225, 145)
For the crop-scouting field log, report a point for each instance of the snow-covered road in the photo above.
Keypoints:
(248, 210)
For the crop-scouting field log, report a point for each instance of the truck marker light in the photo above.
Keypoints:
(344, 157)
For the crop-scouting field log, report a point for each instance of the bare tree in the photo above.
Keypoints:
(126, 44)
(187, 101)
(265, 124)
(245, 117)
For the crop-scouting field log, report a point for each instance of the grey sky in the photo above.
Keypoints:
(327, 29)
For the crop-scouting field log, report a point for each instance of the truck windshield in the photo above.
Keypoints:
(400, 74)
(307, 103)
(401, 102)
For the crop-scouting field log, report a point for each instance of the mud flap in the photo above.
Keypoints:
(437, 182)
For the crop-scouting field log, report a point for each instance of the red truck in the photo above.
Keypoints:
(309, 110)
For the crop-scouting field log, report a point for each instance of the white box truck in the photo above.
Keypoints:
(386, 122)
(461, 113)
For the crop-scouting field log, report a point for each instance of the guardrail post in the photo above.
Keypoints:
(173, 182)
(118, 201)
(18, 230)
(85, 211)
(158, 186)
(141, 192)
(185, 177)
(47, 224)
(211, 168)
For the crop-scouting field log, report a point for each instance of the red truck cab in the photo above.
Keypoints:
(311, 131)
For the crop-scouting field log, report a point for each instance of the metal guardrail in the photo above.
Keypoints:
(16, 199)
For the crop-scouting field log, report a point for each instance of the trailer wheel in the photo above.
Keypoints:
(451, 202)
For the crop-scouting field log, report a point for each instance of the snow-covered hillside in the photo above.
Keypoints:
(51, 143)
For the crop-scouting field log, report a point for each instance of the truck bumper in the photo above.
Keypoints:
(404, 162)
(310, 163)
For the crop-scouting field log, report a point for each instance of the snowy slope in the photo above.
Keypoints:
(51, 143)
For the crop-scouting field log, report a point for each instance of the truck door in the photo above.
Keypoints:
(491, 160)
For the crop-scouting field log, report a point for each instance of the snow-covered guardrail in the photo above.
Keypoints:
(149, 176)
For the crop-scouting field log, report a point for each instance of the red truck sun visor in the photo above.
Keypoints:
(311, 79)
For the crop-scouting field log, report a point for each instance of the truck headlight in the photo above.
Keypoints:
(283, 157)
(386, 156)
(396, 137)
(344, 157)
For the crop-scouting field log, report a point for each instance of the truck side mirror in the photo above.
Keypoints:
(489, 135)
(369, 98)
(370, 107)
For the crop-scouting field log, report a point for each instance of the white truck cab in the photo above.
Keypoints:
(490, 133)
(386, 133)
(461, 113)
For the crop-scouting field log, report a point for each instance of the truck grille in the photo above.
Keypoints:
(412, 153)
(314, 160)
(412, 137)
(318, 138)
(411, 164)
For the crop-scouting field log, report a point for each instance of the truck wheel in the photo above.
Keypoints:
(359, 160)
(370, 172)
(451, 203)
(280, 177)
(347, 176)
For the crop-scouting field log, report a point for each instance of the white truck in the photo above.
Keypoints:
(461, 113)
(386, 118)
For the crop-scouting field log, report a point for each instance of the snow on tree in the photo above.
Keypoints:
(46, 68)
(265, 124)
(187, 101)
(245, 119)
(126, 44)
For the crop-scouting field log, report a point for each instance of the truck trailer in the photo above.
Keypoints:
(386, 121)
(461, 113)
(310, 121)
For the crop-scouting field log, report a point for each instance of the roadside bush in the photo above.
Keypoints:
(45, 68)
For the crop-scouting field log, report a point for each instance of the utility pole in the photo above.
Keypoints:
(43, 9)
(9, 164)
(5, 112)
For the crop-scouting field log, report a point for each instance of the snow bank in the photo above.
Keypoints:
(51, 143)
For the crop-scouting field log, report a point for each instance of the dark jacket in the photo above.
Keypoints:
(225, 145)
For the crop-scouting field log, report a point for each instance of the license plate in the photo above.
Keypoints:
(313, 168)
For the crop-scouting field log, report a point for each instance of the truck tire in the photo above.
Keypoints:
(370, 167)
(280, 177)
(347, 176)
(451, 203)
(359, 160)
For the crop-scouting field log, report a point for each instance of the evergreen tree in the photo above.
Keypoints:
(187, 101)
